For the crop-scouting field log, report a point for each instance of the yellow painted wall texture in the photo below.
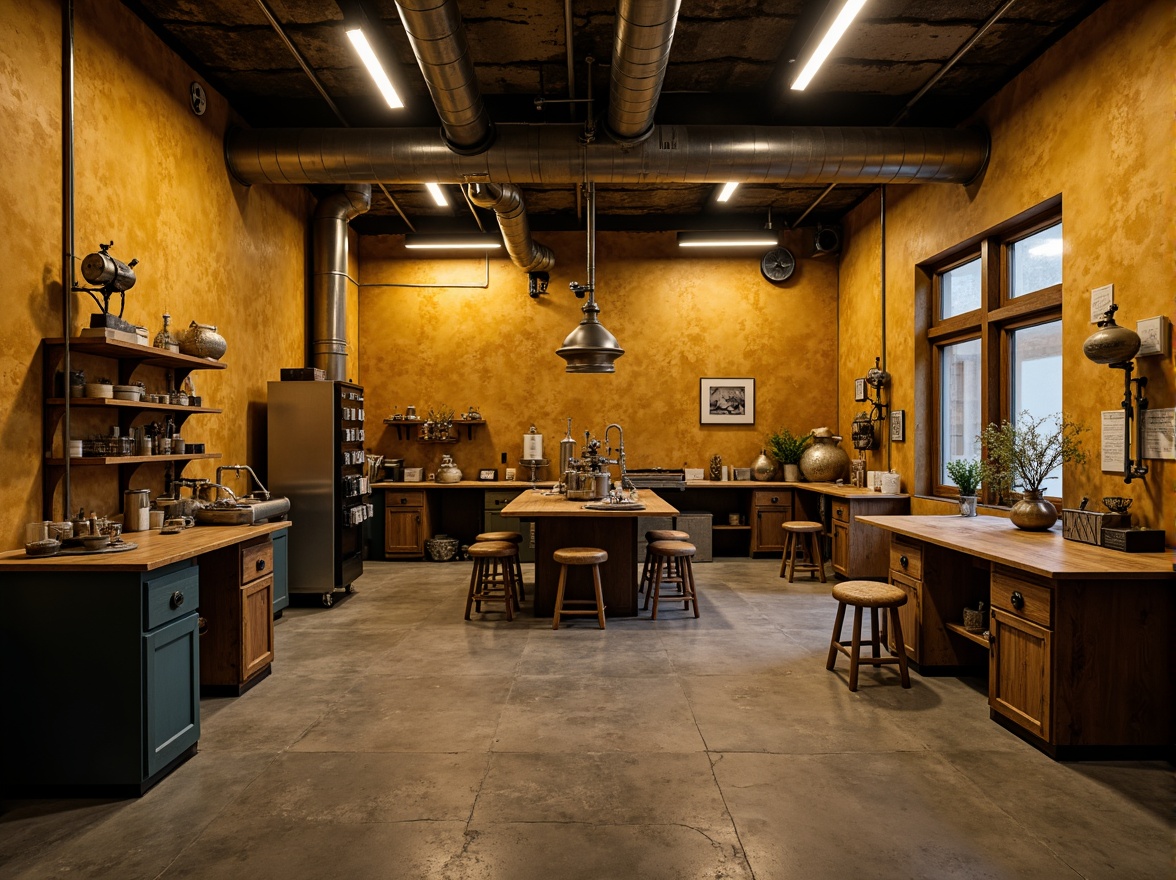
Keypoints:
(679, 318)
(1092, 120)
(149, 175)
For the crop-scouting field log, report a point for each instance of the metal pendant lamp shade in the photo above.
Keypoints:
(590, 348)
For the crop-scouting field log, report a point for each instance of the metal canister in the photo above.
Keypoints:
(136, 510)
(567, 451)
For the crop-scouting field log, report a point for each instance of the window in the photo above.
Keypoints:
(995, 335)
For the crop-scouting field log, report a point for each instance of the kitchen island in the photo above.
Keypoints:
(563, 523)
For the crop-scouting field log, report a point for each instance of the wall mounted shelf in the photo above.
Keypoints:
(406, 428)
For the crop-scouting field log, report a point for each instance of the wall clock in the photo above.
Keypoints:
(778, 264)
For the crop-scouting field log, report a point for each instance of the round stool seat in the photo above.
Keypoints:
(580, 556)
(672, 548)
(666, 535)
(802, 527)
(509, 537)
(493, 550)
(869, 594)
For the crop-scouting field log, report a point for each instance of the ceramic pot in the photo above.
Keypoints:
(448, 472)
(202, 341)
(967, 505)
(1111, 344)
(824, 461)
(792, 473)
(763, 468)
(1033, 513)
(442, 548)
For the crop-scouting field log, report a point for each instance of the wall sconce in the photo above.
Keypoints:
(1116, 347)
(537, 284)
(877, 379)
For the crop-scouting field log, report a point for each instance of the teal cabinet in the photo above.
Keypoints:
(281, 578)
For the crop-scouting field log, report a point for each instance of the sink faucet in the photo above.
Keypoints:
(261, 491)
(626, 483)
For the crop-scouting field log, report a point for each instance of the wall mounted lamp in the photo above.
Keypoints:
(537, 284)
(877, 378)
(729, 238)
(477, 241)
(1116, 347)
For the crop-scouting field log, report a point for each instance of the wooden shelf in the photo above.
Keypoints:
(979, 638)
(145, 354)
(103, 402)
(724, 527)
(405, 428)
(88, 460)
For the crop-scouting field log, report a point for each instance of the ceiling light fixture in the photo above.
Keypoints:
(438, 195)
(727, 191)
(840, 24)
(590, 348)
(484, 241)
(729, 238)
(360, 41)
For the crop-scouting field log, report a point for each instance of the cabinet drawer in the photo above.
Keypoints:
(498, 500)
(779, 498)
(171, 595)
(1023, 598)
(257, 560)
(411, 498)
(840, 511)
(906, 557)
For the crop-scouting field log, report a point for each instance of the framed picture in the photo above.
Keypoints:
(898, 425)
(725, 401)
(510, 475)
(488, 474)
(859, 389)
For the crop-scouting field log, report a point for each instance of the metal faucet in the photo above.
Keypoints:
(261, 491)
(620, 460)
(219, 502)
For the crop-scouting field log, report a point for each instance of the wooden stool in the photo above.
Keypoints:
(510, 538)
(681, 553)
(489, 583)
(794, 533)
(579, 556)
(872, 595)
(647, 570)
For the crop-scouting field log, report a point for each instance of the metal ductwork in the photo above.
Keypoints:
(438, 40)
(506, 201)
(641, 52)
(331, 217)
(553, 154)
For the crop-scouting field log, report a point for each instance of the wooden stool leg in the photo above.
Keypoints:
(655, 589)
(898, 641)
(818, 560)
(874, 645)
(836, 640)
(643, 584)
(784, 555)
(518, 567)
(470, 594)
(689, 569)
(790, 552)
(599, 595)
(559, 595)
(856, 647)
(508, 587)
(654, 568)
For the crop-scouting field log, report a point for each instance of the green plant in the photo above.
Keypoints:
(966, 473)
(787, 447)
(1023, 455)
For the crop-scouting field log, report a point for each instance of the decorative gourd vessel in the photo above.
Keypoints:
(448, 472)
(824, 461)
(763, 468)
(1033, 512)
(202, 341)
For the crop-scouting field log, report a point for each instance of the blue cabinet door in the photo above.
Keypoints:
(281, 582)
(171, 691)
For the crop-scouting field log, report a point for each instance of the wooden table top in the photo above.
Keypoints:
(532, 504)
(519, 485)
(1045, 553)
(836, 490)
(155, 550)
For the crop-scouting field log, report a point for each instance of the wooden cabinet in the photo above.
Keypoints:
(1019, 672)
(859, 551)
(909, 616)
(770, 510)
(406, 524)
(237, 646)
(281, 541)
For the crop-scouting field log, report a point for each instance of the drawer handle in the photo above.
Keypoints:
(1017, 600)
(903, 561)
(775, 500)
(404, 501)
(261, 565)
(177, 599)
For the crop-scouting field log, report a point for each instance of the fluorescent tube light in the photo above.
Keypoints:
(844, 18)
(729, 238)
(484, 241)
(728, 189)
(364, 48)
(437, 194)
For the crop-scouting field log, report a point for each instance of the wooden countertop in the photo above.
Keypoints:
(530, 505)
(519, 485)
(836, 490)
(155, 550)
(1045, 553)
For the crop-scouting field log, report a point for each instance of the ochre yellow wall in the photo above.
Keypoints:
(1092, 120)
(149, 175)
(678, 317)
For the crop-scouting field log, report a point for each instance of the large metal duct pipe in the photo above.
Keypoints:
(506, 201)
(438, 40)
(641, 51)
(553, 154)
(331, 217)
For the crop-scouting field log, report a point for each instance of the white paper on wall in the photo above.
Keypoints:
(1159, 433)
(1112, 440)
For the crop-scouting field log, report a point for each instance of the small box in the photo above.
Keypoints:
(1134, 540)
(303, 374)
(694, 474)
(413, 475)
(742, 473)
(1086, 526)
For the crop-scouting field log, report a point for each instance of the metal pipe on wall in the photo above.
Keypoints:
(506, 201)
(330, 280)
(67, 237)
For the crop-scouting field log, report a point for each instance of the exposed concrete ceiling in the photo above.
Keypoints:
(730, 64)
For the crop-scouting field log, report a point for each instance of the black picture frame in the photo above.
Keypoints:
(859, 390)
(898, 425)
(487, 475)
(726, 401)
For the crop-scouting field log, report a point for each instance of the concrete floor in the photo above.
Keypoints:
(395, 740)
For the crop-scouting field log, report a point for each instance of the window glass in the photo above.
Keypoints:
(959, 404)
(1035, 262)
(1035, 358)
(959, 289)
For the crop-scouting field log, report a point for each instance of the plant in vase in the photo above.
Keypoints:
(787, 448)
(1023, 455)
(967, 474)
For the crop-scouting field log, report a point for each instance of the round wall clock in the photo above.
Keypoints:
(777, 264)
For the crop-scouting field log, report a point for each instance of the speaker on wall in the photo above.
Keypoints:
(827, 241)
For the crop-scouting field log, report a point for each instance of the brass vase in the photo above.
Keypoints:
(1033, 512)
(824, 460)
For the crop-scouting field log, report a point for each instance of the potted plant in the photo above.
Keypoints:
(966, 473)
(787, 448)
(1023, 455)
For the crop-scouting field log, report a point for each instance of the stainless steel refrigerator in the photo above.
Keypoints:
(316, 459)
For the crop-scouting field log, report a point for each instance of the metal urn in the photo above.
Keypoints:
(763, 468)
(202, 341)
(824, 460)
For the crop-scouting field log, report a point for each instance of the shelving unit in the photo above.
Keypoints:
(128, 358)
(406, 428)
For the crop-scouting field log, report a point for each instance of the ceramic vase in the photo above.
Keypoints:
(202, 340)
(967, 505)
(792, 473)
(824, 460)
(763, 468)
(1033, 512)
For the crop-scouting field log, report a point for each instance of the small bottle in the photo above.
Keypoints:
(165, 338)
